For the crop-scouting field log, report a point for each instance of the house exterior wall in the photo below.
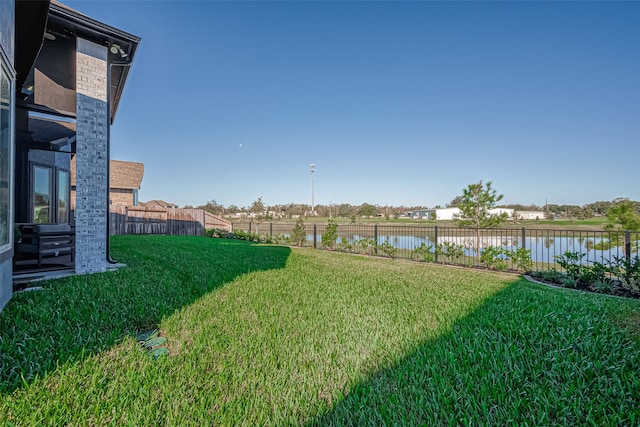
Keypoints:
(530, 214)
(91, 157)
(7, 53)
(7, 28)
(447, 213)
(121, 197)
(6, 282)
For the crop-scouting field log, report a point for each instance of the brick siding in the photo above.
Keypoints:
(91, 157)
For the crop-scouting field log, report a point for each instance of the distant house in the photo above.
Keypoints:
(438, 214)
(454, 213)
(158, 204)
(530, 215)
(124, 182)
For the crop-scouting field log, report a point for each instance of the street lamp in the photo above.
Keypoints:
(313, 169)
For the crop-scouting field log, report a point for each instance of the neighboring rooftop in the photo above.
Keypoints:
(123, 175)
(158, 204)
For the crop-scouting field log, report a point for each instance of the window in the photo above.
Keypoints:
(5, 156)
(42, 195)
(63, 197)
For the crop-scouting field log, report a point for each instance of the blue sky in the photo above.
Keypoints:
(395, 102)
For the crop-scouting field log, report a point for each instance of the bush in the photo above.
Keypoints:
(299, 234)
(520, 258)
(344, 246)
(422, 252)
(388, 249)
(494, 257)
(449, 252)
(365, 246)
(330, 235)
(216, 232)
(628, 271)
(281, 239)
(605, 286)
(572, 263)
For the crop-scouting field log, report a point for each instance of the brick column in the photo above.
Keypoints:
(92, 138)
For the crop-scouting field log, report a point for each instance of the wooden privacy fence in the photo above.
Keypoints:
(179, 222)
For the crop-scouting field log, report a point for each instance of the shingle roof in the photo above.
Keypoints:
(157, 204)
(124, 175)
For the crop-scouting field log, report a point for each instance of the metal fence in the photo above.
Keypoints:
(437, 243)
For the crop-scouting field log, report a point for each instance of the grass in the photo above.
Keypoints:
(264, 335)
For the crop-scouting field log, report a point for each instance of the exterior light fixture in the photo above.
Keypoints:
(116, 49)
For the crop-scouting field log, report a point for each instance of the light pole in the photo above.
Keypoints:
(313, 169)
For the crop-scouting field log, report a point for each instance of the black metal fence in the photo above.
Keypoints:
(462, 246)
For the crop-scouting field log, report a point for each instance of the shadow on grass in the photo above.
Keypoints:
(526, 356)
(78, 316)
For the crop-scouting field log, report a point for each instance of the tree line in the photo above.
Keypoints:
(347, 210)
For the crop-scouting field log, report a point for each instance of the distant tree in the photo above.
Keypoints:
(366, 209)
(599, 208)
(345, 210)
(257, 207)
(213, 207)
(298, 234)
(455, 202)
(586, 212)
(233, 208)
(477, 200)
(620, 218)
(623, 216)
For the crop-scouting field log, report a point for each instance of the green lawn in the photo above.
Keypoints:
(266, 335)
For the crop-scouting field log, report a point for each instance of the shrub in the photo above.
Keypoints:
(281, 239)
(330, 235)
(628, 271)
(571, 262)
(344, 246)
(449, 252)
(216, 232)
(388, 249)
(521, 259)
(596, 273)
(604, 286)
(365, 246)
(494, 257)
(422, 252)
(299, 234)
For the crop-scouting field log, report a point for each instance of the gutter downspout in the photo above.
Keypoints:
(119, 64)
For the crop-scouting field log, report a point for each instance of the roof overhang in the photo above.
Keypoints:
(31, 23)
(74, 23)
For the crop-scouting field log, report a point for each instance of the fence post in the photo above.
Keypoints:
(270, 229)
(249, 226)
(627, 244)
(375, 238)
(435, 243)
(524, 243)
(315, 236)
